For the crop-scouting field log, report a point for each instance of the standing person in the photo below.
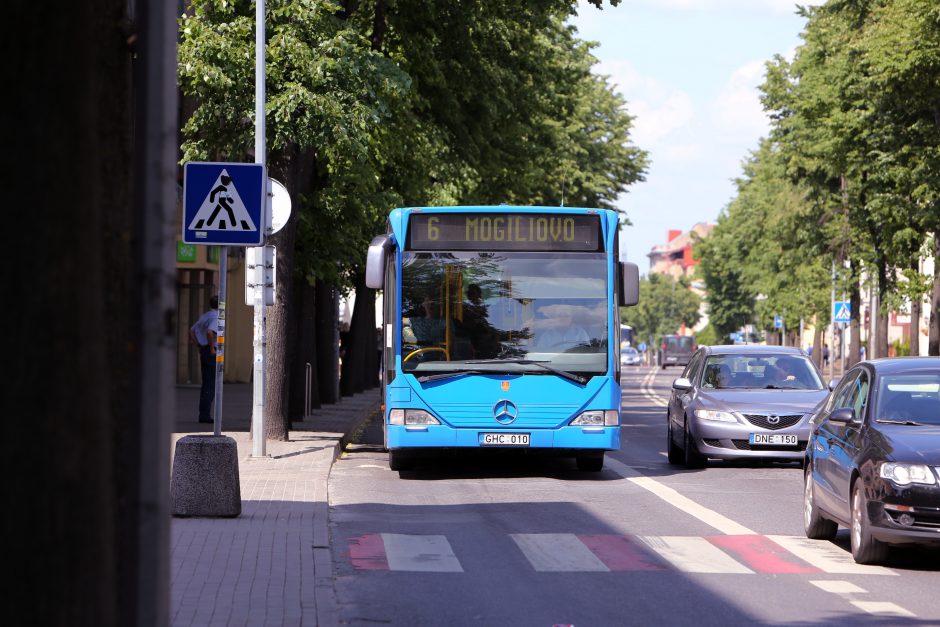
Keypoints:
(204, 334)
(826, 354)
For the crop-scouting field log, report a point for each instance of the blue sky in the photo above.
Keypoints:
(689, 70)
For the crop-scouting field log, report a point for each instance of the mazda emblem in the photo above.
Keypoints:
(773, 419)
(505, 411)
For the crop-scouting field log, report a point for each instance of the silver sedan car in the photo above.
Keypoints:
(743, 401)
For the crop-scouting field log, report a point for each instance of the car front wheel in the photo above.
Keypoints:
(693, 459)
(865, 548)
(673, 452)
(815, 526)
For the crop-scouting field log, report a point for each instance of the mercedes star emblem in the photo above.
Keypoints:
(505, 411)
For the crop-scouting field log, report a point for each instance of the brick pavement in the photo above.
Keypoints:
(272, 564)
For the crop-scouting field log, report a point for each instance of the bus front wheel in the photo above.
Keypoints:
(590, 463)
(399, 460)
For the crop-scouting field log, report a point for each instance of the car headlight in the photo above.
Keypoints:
(906, 474)
(711, 414)
(411, 417)
(596, 418)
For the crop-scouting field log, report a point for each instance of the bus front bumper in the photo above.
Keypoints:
(442, 436)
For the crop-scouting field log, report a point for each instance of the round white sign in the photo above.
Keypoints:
(279, 205)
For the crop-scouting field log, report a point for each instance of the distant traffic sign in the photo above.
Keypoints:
(841, 311)
(223, 203)
(778, 322)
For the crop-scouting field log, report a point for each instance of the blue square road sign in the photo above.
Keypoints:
(841, 311)
(224, 203)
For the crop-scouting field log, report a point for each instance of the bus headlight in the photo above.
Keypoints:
(411, 417)
(597, 418)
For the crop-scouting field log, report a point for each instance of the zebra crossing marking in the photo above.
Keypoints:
(420, 553)
(557, 553)
(827, 557)
(691, 554)
(569, 552)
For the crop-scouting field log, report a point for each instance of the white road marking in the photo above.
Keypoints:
(837, 586)
(647, 390)
(558, 552)
(710, 517)
(882, 608)
(827, 557)
(694, 555)
(420, 553)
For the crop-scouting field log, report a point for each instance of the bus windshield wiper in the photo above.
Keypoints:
(456, 373)
(533, 362)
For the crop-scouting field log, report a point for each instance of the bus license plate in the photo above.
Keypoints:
(774, 439)
(504, 439)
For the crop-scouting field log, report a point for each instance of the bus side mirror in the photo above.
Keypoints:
(630, 290)
(375, 260)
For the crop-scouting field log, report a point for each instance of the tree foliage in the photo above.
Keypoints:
(847, 178)
(666, 304)
(373, 104)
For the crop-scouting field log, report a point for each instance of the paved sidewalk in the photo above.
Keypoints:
(272, 564)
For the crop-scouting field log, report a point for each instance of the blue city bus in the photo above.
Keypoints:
(501, 330)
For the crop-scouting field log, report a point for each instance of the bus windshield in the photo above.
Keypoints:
(487, 311)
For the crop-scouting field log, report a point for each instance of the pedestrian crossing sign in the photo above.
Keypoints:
(224, 203)
(841, 311)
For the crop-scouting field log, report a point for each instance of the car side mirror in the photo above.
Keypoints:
(682, 384)
(843, 415)
(833, 383)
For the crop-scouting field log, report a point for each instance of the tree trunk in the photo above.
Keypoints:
(855, 335)
(305, 348)
(359, 364)
(277, 349)
(818, 340)
(293, 167)
(882, 334)
(933, 342)
(327, 343)
(915, 315)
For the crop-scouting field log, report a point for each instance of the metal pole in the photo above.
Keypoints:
(257, 409)
(220, 341)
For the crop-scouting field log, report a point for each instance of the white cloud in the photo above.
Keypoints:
(658, 108)
(737, 111)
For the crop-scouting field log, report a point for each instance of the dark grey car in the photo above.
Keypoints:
(675, 350)
(747, 401)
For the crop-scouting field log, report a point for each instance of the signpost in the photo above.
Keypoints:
(224, 205)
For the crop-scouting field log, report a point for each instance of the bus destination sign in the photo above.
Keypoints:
(505, 231)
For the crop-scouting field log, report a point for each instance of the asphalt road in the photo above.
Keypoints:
(512, 540)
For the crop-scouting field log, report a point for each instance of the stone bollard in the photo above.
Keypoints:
(205, 477)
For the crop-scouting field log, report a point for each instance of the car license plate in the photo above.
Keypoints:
(774, 439)
(504, 439)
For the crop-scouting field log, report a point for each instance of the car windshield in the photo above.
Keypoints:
(909, 398)
(678, 343)
(769, 371)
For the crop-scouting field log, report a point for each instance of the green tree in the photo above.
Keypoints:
(373, 105)
(666, 304)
